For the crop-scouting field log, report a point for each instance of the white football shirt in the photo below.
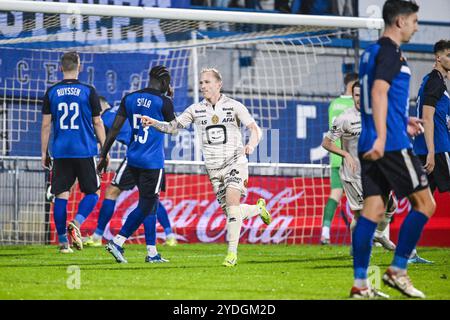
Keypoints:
(347, 127)
(220, 129)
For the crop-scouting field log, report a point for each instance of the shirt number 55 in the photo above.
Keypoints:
(136, 125)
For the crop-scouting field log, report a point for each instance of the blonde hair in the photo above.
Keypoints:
(216, 73)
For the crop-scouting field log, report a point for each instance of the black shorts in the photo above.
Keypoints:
(440, 177)
(148, 181)
(123, 179)
(400, 171)
(66, 170)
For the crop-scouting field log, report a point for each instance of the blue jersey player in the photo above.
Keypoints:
(122, 181)
(433, 106)
(145, 154)
(74, 110)
(385, 151)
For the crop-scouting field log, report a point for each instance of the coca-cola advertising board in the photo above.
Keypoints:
(296, 205)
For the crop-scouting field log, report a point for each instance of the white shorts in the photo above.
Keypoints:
(354, 193)
(233, 176)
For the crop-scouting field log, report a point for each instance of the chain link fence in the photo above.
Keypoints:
(24, 209)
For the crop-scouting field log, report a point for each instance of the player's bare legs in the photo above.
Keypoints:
(381, 234)
(423, 201)
(423, 207)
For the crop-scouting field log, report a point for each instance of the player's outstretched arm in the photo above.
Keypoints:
(255, 138)
(163, 126)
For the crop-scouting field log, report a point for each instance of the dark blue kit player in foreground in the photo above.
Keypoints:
(385, 152)
(73, 108)
(145, 154)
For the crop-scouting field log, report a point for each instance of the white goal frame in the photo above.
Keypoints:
(191, 14)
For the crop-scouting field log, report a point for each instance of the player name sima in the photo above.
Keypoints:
(68, 91)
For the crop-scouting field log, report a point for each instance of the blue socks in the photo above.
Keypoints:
(60, 217)
(362, 246)
(134, 220)
(85, 207)
(163, 219)
(105, 215)
(145, 207)
(410, 232)
(150, 230)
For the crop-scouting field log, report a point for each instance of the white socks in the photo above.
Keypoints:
(326, 232)
(249, 211)
(170, 236)
(119, 240)
(151, 251)
(361, 283)
(413, 253)
(97, 237)
(234, 224)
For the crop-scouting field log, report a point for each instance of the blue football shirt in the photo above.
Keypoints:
(146, 148)
(108, 117)
(384, 61)
(433, 92)
(72, 105)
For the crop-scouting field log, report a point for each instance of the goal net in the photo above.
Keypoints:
(284, 68)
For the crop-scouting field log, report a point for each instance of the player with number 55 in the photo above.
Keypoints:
(145, 153)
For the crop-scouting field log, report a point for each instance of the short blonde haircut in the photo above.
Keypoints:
(215, 72)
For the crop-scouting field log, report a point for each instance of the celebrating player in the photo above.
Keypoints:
(74, 110)
(385, 151)
(347, 127)
(218, 117)
(145, 154)
(123, 180)
(337, 106)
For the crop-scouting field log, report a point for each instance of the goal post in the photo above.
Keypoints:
(190, 14)
(284, 68)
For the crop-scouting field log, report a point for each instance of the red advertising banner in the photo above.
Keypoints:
(296, 205)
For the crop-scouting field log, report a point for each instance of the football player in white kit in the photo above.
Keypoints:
(219, 119)
(347, 127)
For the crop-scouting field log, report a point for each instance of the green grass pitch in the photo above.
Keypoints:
(195, 272)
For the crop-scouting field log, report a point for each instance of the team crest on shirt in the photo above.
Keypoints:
(215, 119)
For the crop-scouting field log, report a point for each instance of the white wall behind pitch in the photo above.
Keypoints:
(430, 10)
